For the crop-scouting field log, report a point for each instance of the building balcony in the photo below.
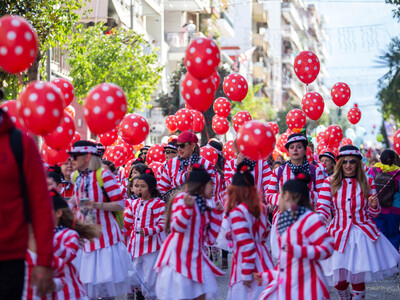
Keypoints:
(260, 14)
(291, 86)
(225, 25)
(288, 32)
(260, 41)
(187, 5)
(291, 14)
(288, 58)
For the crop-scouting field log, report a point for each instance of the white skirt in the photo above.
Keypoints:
(107, 272)
(240, 291)
(172, 285)
(363, 260)
(144, 266)
(221, 241)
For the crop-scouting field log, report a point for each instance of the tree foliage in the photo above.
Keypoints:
(396, 10)
(122, 57)
(53, 21)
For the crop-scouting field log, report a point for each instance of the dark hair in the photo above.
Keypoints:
(129, 185)
(244, 194)
(388, 157)
(277, 162)
(141, 168)
(54, 172)
(298, 189)
(109, 164)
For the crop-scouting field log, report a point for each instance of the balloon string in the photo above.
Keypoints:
(306, 88)
(206, 127)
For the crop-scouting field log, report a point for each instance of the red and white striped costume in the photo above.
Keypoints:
(109, 226)
(298, 274)
(66, 246)
(183, 248)
(58, 265)
(149, 216)
(274, 186)
(261, 173)
(171, 177)
(349, 208)
(220, 189)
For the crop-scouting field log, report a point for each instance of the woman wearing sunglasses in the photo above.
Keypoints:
(361, 253)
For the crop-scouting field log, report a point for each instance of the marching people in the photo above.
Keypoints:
(361, 254)
(328, 159)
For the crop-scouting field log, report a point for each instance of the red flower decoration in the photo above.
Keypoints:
(196, 166)
(301, 176)
(148, 171)
(244, 168)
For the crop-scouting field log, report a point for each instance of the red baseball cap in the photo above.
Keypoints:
(187, 137)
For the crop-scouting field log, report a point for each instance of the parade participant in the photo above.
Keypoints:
(143, 153)
(248, 221)
(184, 270)
(276, 164)
(176, 171)
(144, 218)
(54, 180)
(106, 270)
(328, 159)
(109, 165)
(303, 241)
(23, 206)
(361, 253)
(387, 176)
(170, 151)
(67, 185)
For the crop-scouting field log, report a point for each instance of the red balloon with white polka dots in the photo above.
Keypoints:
(220, 125)
(41, 107)
(52, 156)
(209, 153)
(256, 140)
(340, 93)
(199, 94)
(18, 44)
(155, 154)
(313, 105)
(109, 138)
(274, 126)
(63, 134)
(104, 107)
(117, 154)
(198, 121)
(184, 119)
(10, 107)
(228, 151)
(296, 119)
(66, 89)
(396, 141)
(333, 135)
(240, 118)
(306, 66)
(222, 107)
(235, 87)
(354, 115)
(216, 78)
(134, 129)
(170, 123)
(202, 57)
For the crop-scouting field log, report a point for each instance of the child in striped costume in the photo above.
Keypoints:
(144, 218)
(184, 270)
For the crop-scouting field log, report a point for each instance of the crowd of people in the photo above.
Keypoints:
(294, 228)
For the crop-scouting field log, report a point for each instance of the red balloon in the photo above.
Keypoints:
(274, 126)
(198, 121)
(117, 154)
(340, 93)
(295, 119)
(154, 167)
(222, 107)
(220, 125)
(321, 148)
(396, 141)
(354, 115)
(184, 119)
(109, 138)
(256, 140)
(333, 136)
(202, 57)
(10, 107)
(228, 151)
(310, 155)
(156, 154)
(240, 118)
(76, 137)
(321, 137)
(54, 157)
(62, 136)
(313, 105)
(18, 44)
(235, 87)
(306, 66)
(347, 141)
(134, 129)
(282, 141)
(71, 110)
(217, 79)
(65, 88)
(104, 107)
(209, 153)
(170, 123)
(199, 94)
(41, 107)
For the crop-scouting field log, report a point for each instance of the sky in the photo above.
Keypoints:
(358, 32)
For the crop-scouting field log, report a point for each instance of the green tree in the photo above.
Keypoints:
(53, 21)
(396, 10)
(122, 57)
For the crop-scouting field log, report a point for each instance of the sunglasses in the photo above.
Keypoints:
(183, 145)
(169, 152)
(351, 161)
(76, 155)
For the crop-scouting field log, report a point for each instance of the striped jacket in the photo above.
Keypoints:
(261, 173)
(275, 186)
(149, 216)
(349, 208)
(66, 246)
(298, 274)
(190, 229)
(249, 234)
(171, 177)
(111, 231)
